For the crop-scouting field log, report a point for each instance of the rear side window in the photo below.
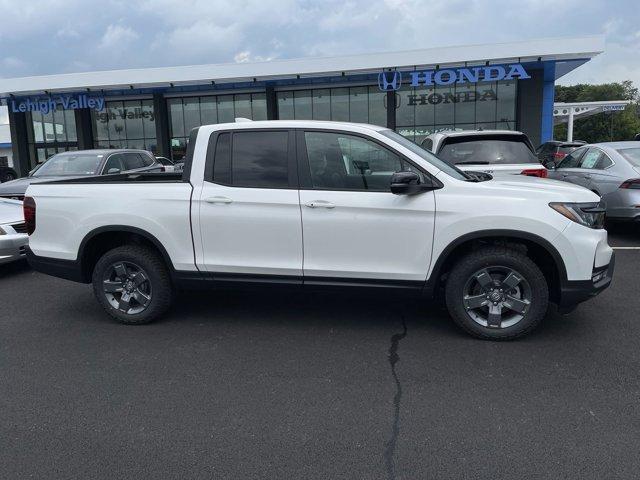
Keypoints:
(252, 159)
(507, 149)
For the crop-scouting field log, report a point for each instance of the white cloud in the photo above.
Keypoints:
(49, 36)
(118, 37)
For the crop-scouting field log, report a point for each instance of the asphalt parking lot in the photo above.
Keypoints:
(314, 386)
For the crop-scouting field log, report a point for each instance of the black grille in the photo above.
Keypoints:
(20, 227)
(23, 250)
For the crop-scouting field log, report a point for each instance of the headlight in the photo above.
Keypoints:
(588, 214)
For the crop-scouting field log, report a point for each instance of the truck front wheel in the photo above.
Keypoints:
(132, 284)
(497, 293)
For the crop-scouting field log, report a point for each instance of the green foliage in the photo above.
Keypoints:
(603, 127)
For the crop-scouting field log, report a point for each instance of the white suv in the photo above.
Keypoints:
(490, 151)
(321, 204)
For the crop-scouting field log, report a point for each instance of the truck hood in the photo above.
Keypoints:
(10, 211)
(533, 187)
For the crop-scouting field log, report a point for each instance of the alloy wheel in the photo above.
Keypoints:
(497, 297)
(127, 287)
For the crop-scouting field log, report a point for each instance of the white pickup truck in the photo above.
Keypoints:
(316, 204)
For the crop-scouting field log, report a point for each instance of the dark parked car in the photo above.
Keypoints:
(7, 174)
(555, 151)
(83, 163)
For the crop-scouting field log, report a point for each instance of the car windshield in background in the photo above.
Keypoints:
(632, 155)
(69, 164)
(426, 155)
(486, 151)
(567, 150)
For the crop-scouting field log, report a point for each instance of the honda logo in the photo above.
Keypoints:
(389, 81)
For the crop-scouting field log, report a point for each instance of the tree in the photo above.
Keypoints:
(602, 127)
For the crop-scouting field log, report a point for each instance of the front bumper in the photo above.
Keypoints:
(13, 246)
(573, 292)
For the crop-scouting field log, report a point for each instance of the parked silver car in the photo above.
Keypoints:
(611, 169)
(13, 231)
(81, 163)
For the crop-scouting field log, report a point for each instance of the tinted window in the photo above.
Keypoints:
(259, 159)
(604, 162)
(131, 161)
(113, 162)
(591, 158)
(427, 144)
(147, 161)
(345, 162)
(425, 155)
(572, 160)
(222, 160)
(481, 151)
(632, 155)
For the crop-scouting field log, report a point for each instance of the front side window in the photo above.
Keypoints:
(69, 164)
(113, 165)
(339, 161)
(257, 159)
(132, 161)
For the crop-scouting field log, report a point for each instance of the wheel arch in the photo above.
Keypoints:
(100, 240)
(543, 252)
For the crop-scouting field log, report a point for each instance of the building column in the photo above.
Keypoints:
(19, 142)
(529, 100)
(84, 129)
(391, 109)
(161, 112)
(548, 94)
(272, 103)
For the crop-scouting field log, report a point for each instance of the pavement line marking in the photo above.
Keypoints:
(626, 248)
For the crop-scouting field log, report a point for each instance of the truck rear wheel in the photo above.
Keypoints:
(132, 284)
(497, 293)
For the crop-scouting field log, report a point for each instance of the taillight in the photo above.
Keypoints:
(29, 209)
(631, 183)
(535, 172)
(559, 155)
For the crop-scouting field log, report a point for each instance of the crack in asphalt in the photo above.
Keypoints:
(390, 445)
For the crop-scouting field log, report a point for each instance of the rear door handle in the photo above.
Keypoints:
(218, 200)
(320, 204)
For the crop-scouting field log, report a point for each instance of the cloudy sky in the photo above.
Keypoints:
(61, 36)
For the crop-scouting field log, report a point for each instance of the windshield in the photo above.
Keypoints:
(70, 164)
(487, 151)
(425, 155)
(632, 155)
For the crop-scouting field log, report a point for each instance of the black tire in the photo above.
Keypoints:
(532, 292)
(157, 283)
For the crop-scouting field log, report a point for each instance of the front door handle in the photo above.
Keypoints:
(320, 204)
(218, 200)
(587, 175)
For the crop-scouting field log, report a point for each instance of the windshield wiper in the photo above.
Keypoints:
(472, 162)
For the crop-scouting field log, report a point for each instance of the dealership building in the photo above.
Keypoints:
(416, 92)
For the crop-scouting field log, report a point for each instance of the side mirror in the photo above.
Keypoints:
(407, 183)
(113, 170)
(550, 164)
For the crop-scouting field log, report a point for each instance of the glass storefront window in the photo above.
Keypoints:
(342, 104)
(187, 113)
(487, 105)
(50, 133)
(125, 124)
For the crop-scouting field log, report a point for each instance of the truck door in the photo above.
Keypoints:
(249, 210)
(354, 227)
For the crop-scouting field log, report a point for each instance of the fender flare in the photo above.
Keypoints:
(432, 282)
